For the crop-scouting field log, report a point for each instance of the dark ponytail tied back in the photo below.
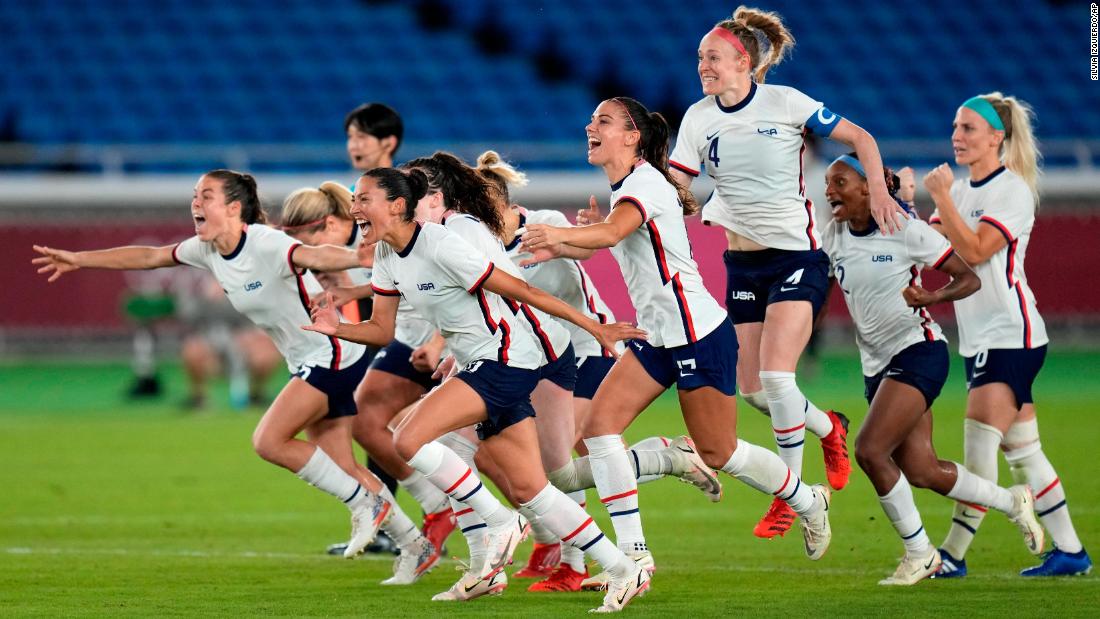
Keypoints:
(653, 147)
(412, 185)
(241, 187)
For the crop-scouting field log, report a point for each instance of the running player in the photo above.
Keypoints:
(266, 276)
(1002, 338)
(905, 361)
(691, 341)
(460, 291)
(750, 138)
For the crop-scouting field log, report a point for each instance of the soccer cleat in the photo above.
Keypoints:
(413, 562)
(336, 549)
(366, 518)
(950, 567)
(541, 563)
(915, 568)
(383, 544)
(835, 449)
(621, 591)
(600, 581)
(816, 533)
(501, 542)
(471, 585)
(437, 528)
(695, 471)
(777, 521)
(1059, 563)
(1023, 516)
(564, 579)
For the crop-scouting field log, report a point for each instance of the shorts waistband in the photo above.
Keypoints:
(761, 256)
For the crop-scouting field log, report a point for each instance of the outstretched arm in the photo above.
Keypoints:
(514, 288)
(57, 262)
(377, 331)
(325, 257)
(625, 217)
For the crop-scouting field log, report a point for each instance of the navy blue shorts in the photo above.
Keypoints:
(505, 390)
(710, 362)
(563, 371)
(590, 373)
(923, 366)
(1016, 367)
(338, 385)
(394, 359)
(756, 279)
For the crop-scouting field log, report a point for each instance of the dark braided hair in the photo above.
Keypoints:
(464, 189)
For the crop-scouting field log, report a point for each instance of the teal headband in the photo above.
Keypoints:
(985, 110)
(853, 163)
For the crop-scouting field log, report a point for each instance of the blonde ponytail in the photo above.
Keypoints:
(305, 209)
(764, 36)
(499, 173)
(1019, 150)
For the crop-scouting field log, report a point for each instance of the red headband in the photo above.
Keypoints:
(627, 110)
(308, 224)
(731, 38)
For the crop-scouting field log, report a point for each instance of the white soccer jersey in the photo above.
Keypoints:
(753, 151)
(672, 304)
(566, 280)
(551, 336)
(872, 269)
(441, 275)
(1003, 313)
(261, 282)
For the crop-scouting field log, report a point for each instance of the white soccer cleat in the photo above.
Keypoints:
(1023, 516)
(413, 562)
(692, 468)
(914, 568)
(471, 585)
(366, 518)
(621, 591)
(600, 581)
(501, 543)
(816, 533)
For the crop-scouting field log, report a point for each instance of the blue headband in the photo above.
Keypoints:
(853, 163)
(985, 110)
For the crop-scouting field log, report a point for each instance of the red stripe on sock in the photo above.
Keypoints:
(977, 507)
(1047, 489)
(618, 496)
(789, 429)
(579, 529)
(460, 480)
(785, 482)
(463, 512)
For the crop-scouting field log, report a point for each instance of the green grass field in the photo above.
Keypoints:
(115, 508)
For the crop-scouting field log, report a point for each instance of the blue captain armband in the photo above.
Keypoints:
(822, 122)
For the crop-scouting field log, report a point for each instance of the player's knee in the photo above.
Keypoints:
(923, 477)
(868, 457)
(406, 444)
(266, 446)
(714, 455)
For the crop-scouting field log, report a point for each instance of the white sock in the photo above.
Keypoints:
(969, 488)
(577, 474)
(473, 529)
(399, 527)
(570, 523)
(788, 409)
(980, 442)
(902, 512)
(1031, 464)
(542, 534)
(764, 471)
(450, 474)
(650, 463)
(324, 474)
(430, 498)
(652, 443)
(618, 489)
(570, 554)
(817, 422)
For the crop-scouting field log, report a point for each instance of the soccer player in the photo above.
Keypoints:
(266, 276)
(749, 137)
(905, 361)
(458, 289)
(691, 342)
(1002, 337)
(320, 216)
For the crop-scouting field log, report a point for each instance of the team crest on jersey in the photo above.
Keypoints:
(882, 258)
(425, 286)
(250, 286)
(767, 131)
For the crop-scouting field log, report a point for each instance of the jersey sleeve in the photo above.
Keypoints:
(1012, 212)
(191, 252)
(462, 263)
(381, 280)
(634, 202)
(277, 248)
(688, 153)
(924, 245)
(813, 115)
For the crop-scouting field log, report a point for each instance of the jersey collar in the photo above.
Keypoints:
(871, 229)
(236, 251)
(408, 248)
(992, 175)
(354, 235)
(739, 105)
(515, 241)
(617, 185)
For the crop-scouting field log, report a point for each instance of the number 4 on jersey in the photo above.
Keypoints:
(713, 154)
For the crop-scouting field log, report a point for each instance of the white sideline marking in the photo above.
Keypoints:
(247, 554)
